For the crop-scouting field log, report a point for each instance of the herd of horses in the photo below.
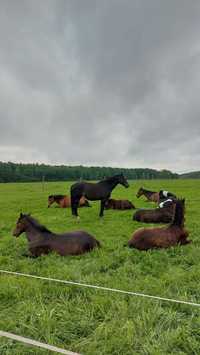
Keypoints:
(170, 210)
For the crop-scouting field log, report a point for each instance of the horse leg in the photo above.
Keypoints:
(103, 202)
(74, 206)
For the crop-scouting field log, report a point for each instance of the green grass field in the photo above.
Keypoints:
(91, 321)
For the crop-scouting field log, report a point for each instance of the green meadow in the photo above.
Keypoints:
(90, 321)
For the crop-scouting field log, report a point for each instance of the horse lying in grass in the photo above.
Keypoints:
(165, 237)
(64, 201)
(154, 196)
(95, 191)
(163, 214)
(42, 241)
(118, 204)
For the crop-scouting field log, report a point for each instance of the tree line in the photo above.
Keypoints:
(13, 172)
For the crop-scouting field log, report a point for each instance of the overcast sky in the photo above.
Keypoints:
(107, 82)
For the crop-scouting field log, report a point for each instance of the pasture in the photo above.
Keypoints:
(93, 321)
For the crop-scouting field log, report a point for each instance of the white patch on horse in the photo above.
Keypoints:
(162, 204)
(165, 193)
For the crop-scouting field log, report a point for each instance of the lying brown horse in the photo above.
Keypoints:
(165, 237)
(65, 201)
(154, 196)
(43, 241)
(118, 204)
(156, 215)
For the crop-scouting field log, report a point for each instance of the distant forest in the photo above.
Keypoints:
(11, 172)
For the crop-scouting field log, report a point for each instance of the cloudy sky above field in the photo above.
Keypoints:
(113, 83)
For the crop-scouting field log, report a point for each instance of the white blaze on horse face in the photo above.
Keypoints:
(165, 193)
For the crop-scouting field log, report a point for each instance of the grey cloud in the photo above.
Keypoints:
(100, 82)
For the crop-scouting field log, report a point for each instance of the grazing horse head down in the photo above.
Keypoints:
(95, 191)
(42, 241)
(64, 201)
(165, 237)
(55, 198)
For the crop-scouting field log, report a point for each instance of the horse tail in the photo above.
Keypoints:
(179, 212)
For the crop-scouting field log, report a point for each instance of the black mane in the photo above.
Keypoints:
(111, 178)
(178, 219)
(36, 224)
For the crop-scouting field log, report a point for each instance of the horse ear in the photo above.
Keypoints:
(21, 215)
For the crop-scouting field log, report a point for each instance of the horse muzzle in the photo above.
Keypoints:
(16, 233)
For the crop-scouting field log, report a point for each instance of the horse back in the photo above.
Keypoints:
(73, 243)
(65, 202)
(92, 191)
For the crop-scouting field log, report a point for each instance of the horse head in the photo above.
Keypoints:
(20, 225)
(51, 199)
(140, 192)
(122, 180)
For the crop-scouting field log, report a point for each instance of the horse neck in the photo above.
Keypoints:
(33, 234)
(147, 193)
(112, 183)
(178, 219)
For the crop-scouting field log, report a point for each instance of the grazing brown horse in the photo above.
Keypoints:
(155, 215)
(43, 241)
(154, 196)
(95, 191)
(165, 237)
(119, 204)
(65, 201)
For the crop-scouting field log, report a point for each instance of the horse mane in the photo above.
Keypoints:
(36, 224)
(110, 178)
(178, 219)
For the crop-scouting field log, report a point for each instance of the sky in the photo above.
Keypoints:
(107, 83)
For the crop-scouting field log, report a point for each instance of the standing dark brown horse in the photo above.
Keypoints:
(165, 237)
(95, 191)
(42, 241)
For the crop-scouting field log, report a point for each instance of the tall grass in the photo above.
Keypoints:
(91, 321)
